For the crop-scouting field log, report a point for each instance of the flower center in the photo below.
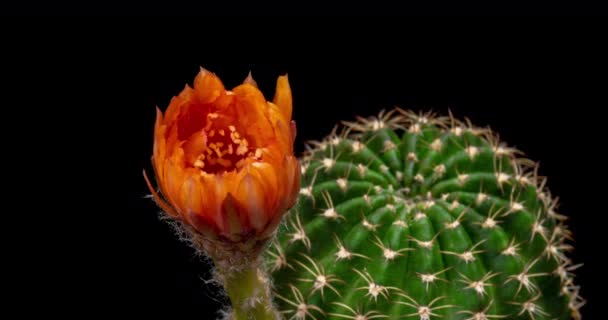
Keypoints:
(225, 150)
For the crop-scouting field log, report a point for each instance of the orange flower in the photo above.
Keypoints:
(224, 159)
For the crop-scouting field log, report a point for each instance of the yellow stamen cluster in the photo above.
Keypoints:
(224, 147)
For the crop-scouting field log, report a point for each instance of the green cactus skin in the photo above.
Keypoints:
(414, 216)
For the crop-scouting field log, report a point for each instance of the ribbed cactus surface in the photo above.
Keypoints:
(414, 216)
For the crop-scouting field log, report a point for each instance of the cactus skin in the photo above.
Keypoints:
(415, 216)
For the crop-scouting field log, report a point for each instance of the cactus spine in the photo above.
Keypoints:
(416, 216)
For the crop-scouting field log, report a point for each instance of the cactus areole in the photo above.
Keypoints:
(414, 216)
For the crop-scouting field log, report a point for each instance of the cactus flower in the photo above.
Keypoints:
(223, 159)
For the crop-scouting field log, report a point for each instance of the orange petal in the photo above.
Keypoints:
(214, 192)
(208, 86)
(272, 226)
(284, 136)
(232, 221)
(177, 104)
(194, 146)
(159, 119)
(250, 112)
(191, 198)
(292, 167)
(294, 131)
(170, 132)
(173, 179)
(159, 148)
(282, 97)
(281, 131)
(204, 225)
(158, 199)
(268, 178)
(251, 197)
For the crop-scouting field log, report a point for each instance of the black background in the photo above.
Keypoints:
(232, 9)
(542, 88)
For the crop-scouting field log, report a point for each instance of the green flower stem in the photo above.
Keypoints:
(239, 268)
(249, 293)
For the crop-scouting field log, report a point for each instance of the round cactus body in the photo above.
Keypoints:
(415, 216)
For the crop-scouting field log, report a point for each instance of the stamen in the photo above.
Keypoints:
(223, 152)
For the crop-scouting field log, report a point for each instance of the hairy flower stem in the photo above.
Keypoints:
(239, 269)
(249, 293)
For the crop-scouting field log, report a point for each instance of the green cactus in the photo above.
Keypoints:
(416, 216)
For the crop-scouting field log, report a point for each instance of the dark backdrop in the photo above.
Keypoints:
(542, 90)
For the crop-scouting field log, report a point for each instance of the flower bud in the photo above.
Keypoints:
(224, 160)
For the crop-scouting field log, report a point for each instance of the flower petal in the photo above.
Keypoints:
(268, 178)
(250, 112)
(250, 196)
(292, 168)
(194, 146)
(159, 200)
(207, 86)
(177, 105)
(232, 222)
(294, 131)
(159, 149)
(173, 179)
(281, 131)
(283, 98)
(215, 188)
(191, 197)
